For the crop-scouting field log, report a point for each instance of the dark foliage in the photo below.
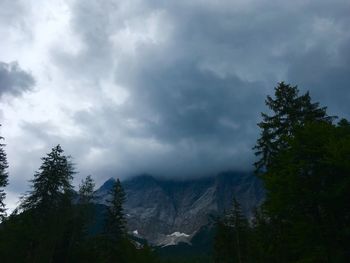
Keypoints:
(231, 243)
(289, 112)
(305, 168)
(49, 226)
(3, 179)
(115, 227)
(51, 186)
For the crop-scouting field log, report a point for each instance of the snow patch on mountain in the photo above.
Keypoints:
(178, 234)
(174, 239)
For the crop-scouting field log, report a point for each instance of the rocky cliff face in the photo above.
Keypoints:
(167, 211)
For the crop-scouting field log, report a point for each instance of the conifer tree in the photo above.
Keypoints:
(231, 239)
(85, 207)
(3, 179)
(86, 190)
(289, 111)
(115, 221)
(263, 243)
(305, 167)
(308, 194)
(44, 227)
(52, 183)
(223, 242)
(239, 225)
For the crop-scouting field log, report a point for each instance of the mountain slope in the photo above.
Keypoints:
(158, 208)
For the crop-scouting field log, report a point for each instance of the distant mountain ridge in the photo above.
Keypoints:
(165, 211)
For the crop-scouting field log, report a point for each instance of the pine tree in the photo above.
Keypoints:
(46, 212)
(305, 170)
(3, 180)
(239, 225)
(264, 243)
(231, 239)
(115, 221)
(290, 111)
(308, 198)
(85, 208)
(222, 242)
(51, 185)
(86, 190)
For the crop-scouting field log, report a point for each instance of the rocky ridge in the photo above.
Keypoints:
(166, 212)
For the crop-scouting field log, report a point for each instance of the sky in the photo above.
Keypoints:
(171, 88)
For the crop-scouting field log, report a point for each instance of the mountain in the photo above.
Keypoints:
(167, 212)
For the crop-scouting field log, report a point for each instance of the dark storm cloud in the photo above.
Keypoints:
(14, 80)
(183, 101)
(197, 89)
(326, 73)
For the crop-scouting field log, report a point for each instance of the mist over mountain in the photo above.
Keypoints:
(167, 211)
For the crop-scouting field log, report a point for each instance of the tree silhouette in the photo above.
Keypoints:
(289, 111)
(3, 179)
(86, 190)
(232, 237)
(115, 221)
(52, 183)
(306, 173)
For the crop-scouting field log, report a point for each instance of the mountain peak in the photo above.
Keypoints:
(111, 179)
(108, 184)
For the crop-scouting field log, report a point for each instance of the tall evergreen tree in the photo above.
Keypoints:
(52, 183)
(3, 179)
(231, 239)
(86, 190)
(223, 242)
(115, 221)
(239, 225)
(289, 111)
(42, 229)
(305, 169)
(85, 207)
(308, 189)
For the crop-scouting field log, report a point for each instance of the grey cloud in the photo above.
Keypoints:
(326, 73)
(184, 102)
(13, 80)
(10, 10)
(197, 93)
(14, 18)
